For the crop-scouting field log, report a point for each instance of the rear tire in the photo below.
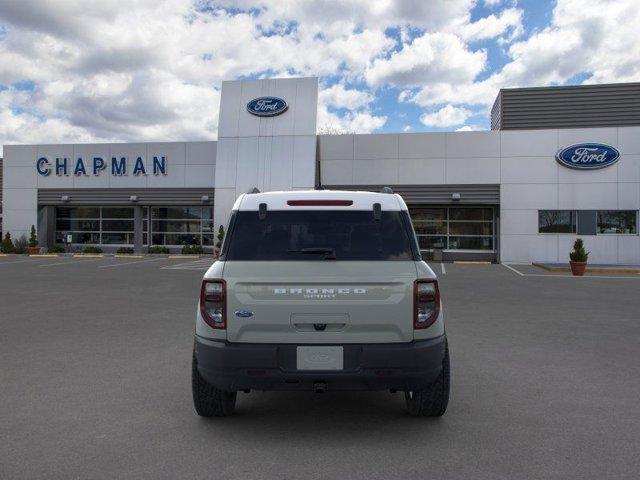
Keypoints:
(433, 400)
(208, 400)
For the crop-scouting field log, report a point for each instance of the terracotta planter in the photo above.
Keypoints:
(33, 250)
(578, 268)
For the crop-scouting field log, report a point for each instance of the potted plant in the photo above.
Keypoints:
(20, 245)
(33, 249)
(220, 238)
(578, 258)
(7, 244)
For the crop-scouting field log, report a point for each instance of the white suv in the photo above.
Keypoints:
(320, 290)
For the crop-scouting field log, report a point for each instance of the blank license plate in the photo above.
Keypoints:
(320, 358)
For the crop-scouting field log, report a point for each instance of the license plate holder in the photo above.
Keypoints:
(320, 358)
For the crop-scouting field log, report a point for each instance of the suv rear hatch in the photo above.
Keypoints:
(320, 276)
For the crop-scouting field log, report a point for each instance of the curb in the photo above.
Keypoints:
(472, 262)
(183, 256)
(589, 269)
(88, 255)
(127, 255)
(45, 255)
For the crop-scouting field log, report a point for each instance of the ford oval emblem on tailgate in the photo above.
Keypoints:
(244, 313)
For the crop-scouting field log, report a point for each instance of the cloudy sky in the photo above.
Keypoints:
(84, 71)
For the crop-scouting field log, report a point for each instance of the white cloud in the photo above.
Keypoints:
(597, 38)
(340, 97)
(151, 71)
(407, 128)
(469, 128)
(439, 56)
(447, 116)
(351, 122)
(509, 22)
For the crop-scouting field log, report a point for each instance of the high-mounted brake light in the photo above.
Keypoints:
(213, 303)
(319, 203)
(426, 303)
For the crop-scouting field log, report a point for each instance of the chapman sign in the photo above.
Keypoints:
(588, 156)
(267, 106)
(118, 166)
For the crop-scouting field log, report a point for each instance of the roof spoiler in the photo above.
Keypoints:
(386, 190)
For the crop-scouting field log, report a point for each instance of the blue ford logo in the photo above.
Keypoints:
(588, 156)
(244, 313)
(267, 106)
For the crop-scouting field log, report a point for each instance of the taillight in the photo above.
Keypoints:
(426, 303)
(213, 303)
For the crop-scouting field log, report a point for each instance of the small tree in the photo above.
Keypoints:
(579, 254)
(20, 245)
(33, 237)
(220, 238)
(7, 244)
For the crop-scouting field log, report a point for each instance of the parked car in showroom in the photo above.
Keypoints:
(320, 290)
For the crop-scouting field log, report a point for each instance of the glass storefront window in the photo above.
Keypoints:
(78, 212)
(430, 228)
(463, 213)
(176, 213)
(471, 243)
(471, 228)
(115, 225)
(187, 225)
(556, 221)
(453, 228)
(618, 221)
(428, 242)
(95, 225)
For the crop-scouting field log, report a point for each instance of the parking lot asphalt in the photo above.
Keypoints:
(95, 384)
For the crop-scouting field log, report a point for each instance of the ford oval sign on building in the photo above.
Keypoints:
(588, 156)
(267, 106)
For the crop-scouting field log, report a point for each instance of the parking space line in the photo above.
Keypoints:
(551, 275)
(513, 269)
(444, 272)
(202, 264)
(72, 262)
(130, 263)
(30, 260)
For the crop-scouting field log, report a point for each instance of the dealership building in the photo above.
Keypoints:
(558, 163)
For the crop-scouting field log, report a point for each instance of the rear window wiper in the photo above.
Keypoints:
(330, 253)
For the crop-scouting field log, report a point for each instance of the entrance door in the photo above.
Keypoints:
(461, 233)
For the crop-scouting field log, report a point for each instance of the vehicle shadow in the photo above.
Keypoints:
(307, 416)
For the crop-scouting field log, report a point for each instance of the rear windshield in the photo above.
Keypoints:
(320, 235)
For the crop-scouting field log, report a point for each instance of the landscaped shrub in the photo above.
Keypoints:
(124, 250)
(57, 248)
(7, 244)
(192, 250)
(220, 238)
(33, 238)
(579, 254)
(158, 249)
(91, 249)
(20, 245)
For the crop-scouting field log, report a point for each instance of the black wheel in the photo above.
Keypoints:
(433, 400)
(208, 400)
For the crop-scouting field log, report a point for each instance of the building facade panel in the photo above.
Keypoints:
(428, 145)
(529, 143)
(498, 194)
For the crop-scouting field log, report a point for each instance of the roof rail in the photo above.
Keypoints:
(386, 190)
(253, 190)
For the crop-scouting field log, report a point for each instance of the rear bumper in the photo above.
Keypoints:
(242, 366)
